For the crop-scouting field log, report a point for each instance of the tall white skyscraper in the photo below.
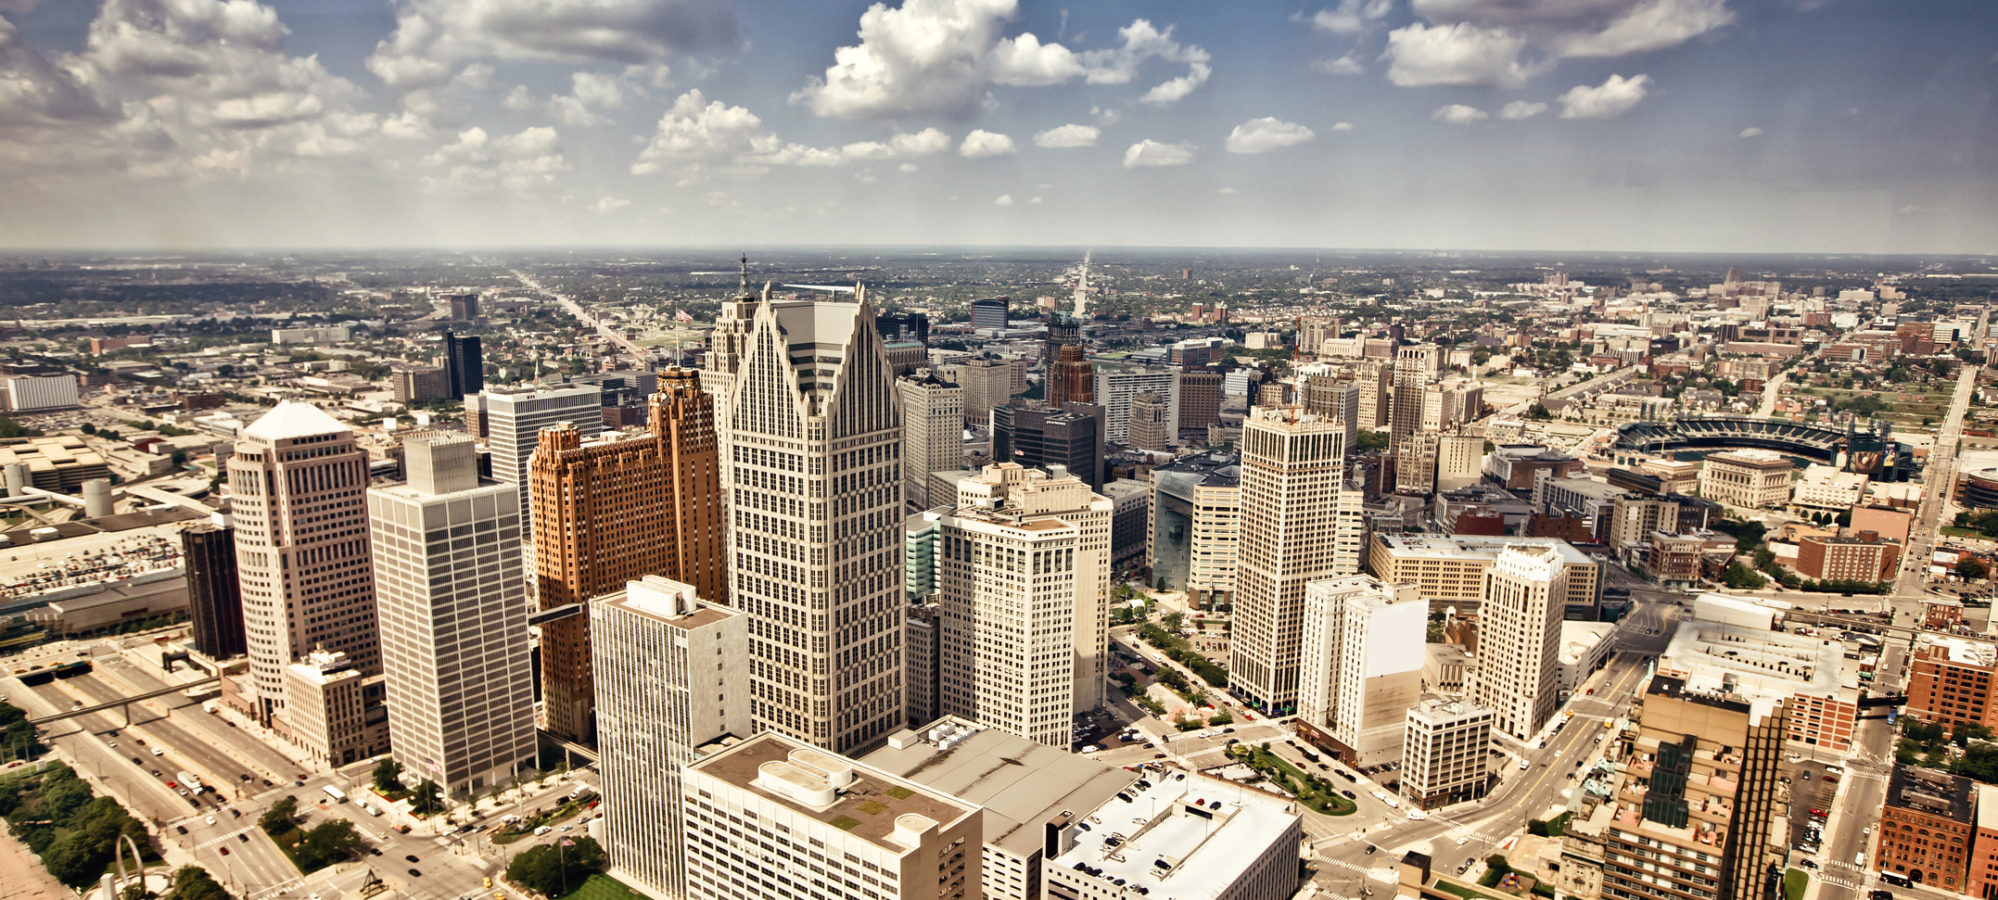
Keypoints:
(814, 450)
(514, 419)
(1299, 524)
(1363, 656)
(298, 491)
(1117, 386)
(1025, 565)
(450, 591)
(669, 678)
(1519, 638)
(933, 433)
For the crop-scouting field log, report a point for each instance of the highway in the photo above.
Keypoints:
(638, 354)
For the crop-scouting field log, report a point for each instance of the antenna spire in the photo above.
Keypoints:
(745, 274)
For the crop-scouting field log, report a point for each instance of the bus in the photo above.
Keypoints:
(71, 670)
(189, 781)
(338, 795)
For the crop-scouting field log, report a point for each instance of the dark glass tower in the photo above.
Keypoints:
(464, 365)
(214, 597)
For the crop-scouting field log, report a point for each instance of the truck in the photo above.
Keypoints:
(189, 781)
(339, 796)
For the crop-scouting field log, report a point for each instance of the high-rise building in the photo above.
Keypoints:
(419, 384)
(990, 313)
(464, 305)
(464, 366)
(1445, 756)
(922, 655)
(1070, 379)
(1117, 386)
(1200, 394)
(513, 422)
(1950, 681)
(1414, 368)
(1519, 638)
(451, 597)
(932, 433)
(1025, 567)
(1299, 524)
(987, 383)
(834, 829)
(1150, 419)
(1333, 398)
(1460, 461)
(1039, 437)
(1376, 381)
(214, 591)
(1360, 674)
(1193, 528)
(298, 487)
(1451, 569)
(669, 680)
(615, 509)
(816, 547)
(1415, 465)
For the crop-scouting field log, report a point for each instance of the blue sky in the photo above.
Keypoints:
(1664, 125)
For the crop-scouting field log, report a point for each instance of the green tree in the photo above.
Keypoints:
(326, 844)
(428, 798)
(194, 883)
(1741, 577)
(278, 819)
(1372, 441)
(386, 774)
(1970, 569)
(1172, 621)
(552, 870)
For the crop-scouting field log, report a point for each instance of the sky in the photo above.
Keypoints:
(1817, 126)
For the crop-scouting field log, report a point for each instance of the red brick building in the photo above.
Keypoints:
(1949, 681)
(1926, 827)
(1862, 557)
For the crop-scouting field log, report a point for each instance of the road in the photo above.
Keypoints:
(638, 354)
(1936, 477)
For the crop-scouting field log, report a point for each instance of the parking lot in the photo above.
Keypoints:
(1812, 789)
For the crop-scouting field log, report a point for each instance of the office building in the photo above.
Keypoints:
(1738, 641)
(669, 680)
(1117, 386)
(311, 334)
(1451, 569)
(464, 366)
(1950, 681)
(990, 313)
(1150, 421)
(1748, 478)
(922, 662)
(40, 393)
(464, 306)
(1024, 788)
(298, 485)
(816, 546)
(1927, 827)
(1217, 840)
(1040, 437)
(1459, 461)
(1024, 566)
(1415, 465)
(336, 714)
(834, 829)
(415, 385)
(1860, 557)
(1299, 524)
(932, 434)
(1193, 526)
(617, 508)
(513, 420)
(1517, 467)
(1360, 672)
(1070, 378)
(987, 383)
(1415, 367)
(1982, 879)
(214, 593)
(1446, 407)
(451, 597)
(1200, 393)
(1829, 488)
(1446, 753)
(1519, 639)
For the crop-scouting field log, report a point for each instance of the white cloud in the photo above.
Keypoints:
(610, 204)
(1344, 65)
(1351, 16)
(921, 143)
(1003, 200)
(1459, 54)
(520, 99)
(868, 150)
(697, 134)
(1105, 116)
(1036, 201)
(1226, 191)
(1266, 134)
(1026, 62)
(1587, 28)
(1063, 137)
(431, 35)
(1170, 92)
(1608, 100)
(981, 143)
(1522, 109)
(1149, 154)
(1342, 126)
(1459, 114)
(1750, 132)
(909, 167)
(527, 160)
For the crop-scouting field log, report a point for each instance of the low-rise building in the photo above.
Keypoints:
(1177, 835)
(333, 711)
(1926, 827)
(1748, 478)
(1862, 557)
(1446, 753)
(1828, 487)
(1732, 639)
(1450, 570)
(1949, 681)
(1982, 879)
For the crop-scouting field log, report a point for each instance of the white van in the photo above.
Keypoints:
(1523, 764)
(542, 830)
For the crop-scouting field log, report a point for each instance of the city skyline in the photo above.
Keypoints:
(1659, 125)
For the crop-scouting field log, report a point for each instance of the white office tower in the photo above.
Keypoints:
(1460, 460)
(1415, 367)
(1519, 638)
(1117, 386)
(669, 678)
(1364, 645)
(814, 441)
(514, 419)
(298, 488)
(932, 434)
(771, 817)
(1299, 525)
(1025, 568)
(450, 593)
(1446, 753)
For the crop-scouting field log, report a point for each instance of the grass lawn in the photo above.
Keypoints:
(526, 827)
(603, 887)
(1339, 806)
(1794, 883)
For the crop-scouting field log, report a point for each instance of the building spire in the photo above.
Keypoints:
(745, 274)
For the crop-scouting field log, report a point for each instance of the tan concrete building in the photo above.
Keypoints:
(1359, 675)
(1200, 394)
(1451, 569)
(932, 434)
(1150, 418)
(1446, 753)
(1519, 639)
(1749, 478)
(334, 711)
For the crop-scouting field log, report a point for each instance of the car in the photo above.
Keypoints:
(211, 819)
(1807, 775)
(1809, 863)
(1349, 795)
(415, 874)
(113, 744)
(182, 829)
(412, 858)
(486, 881)
(225, 851)
(243, 837)
(1461, 842)
(158, 752)
(1370, 849)
(194, 803)
(172, 785)
(235, 814)
(183, 791)
(137, 762)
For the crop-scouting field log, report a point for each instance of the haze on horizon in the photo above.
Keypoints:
(1659, 126)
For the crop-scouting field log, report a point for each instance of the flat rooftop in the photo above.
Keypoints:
(1021, 783)
(1475, 547)
(1203, 830)
(1718, 656)
(1931, 792)
(1960, 651)
(866, 808)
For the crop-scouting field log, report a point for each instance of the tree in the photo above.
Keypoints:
(328, 843)
(1172, 621)
(1741, 577)
(386, 774)
(1538, 412)
(194, 883)
(278, 819)
(553, 870)
(1372, 441)
(428, 797)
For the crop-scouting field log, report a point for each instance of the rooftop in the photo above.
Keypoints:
(1475, 547)
(1719, 657)
(1442, 712)
(294, 419)
(868, 807)
(1930, 792)
(1180, 835)
(1958, 650)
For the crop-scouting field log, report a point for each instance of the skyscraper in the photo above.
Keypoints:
(1361, 670)
(1034, 435)
(451, 597)
(1414, 368)
(1025, 566)
(1519, 638)
(1150, 421)
(298, 492)
(814, 438)
(1299, 524)
(214, 593)
(1070, 379)
(513, 422)
(669, 679)
(1117, 386)
(615, 509)
(933, 433)
(464, 365)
